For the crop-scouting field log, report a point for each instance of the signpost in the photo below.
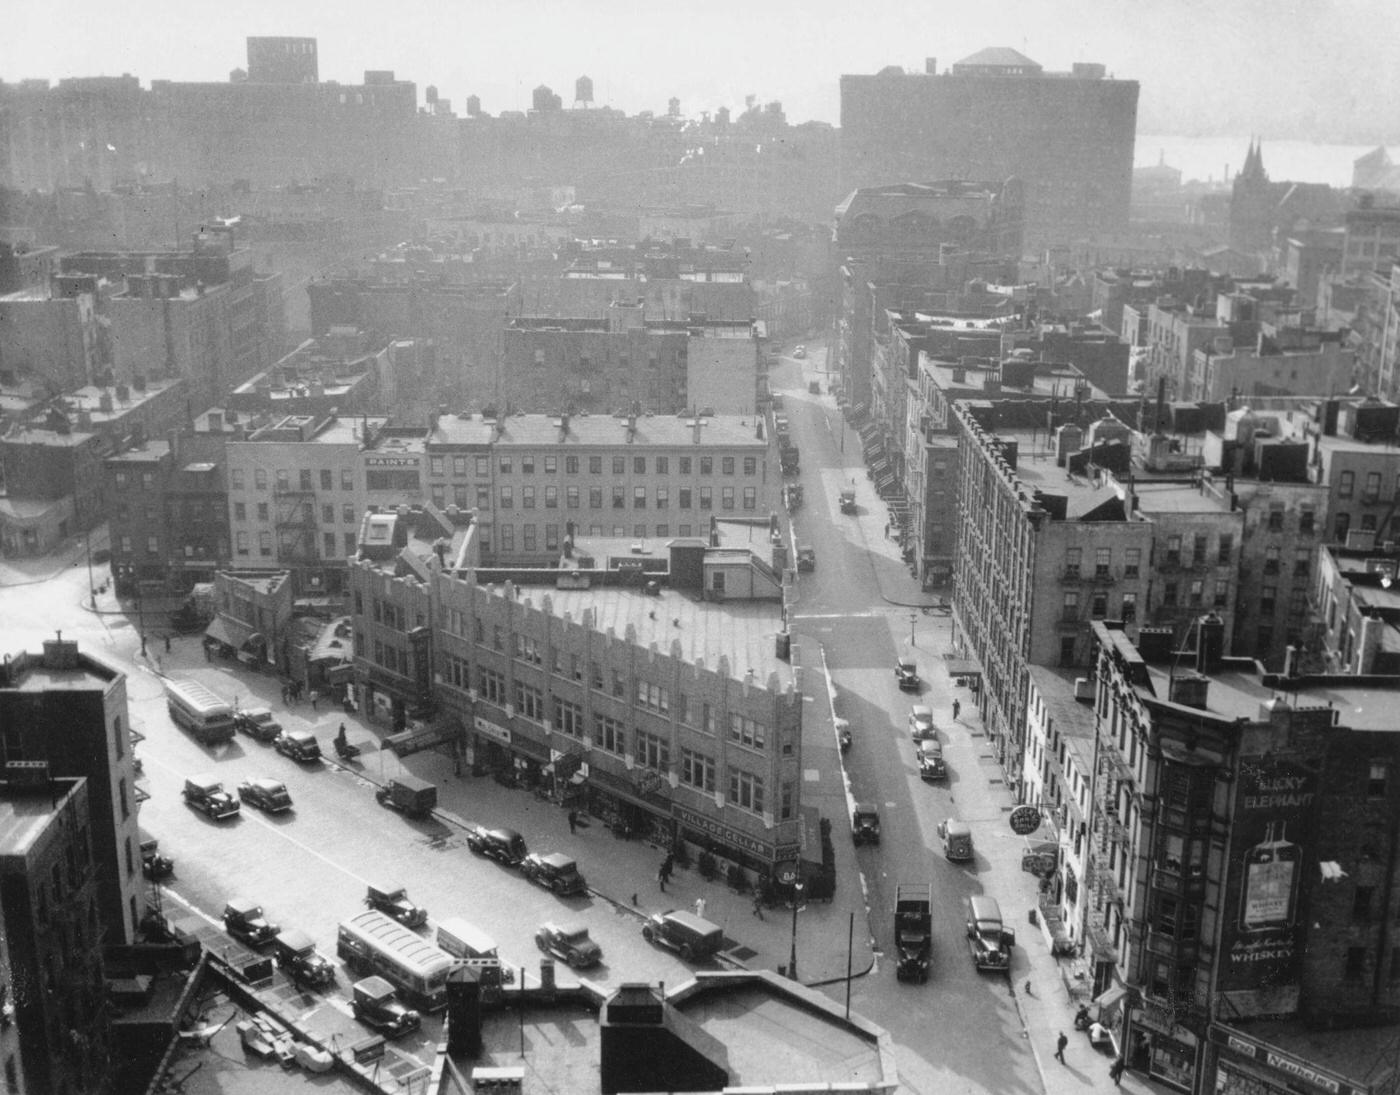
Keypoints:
(1025, 820)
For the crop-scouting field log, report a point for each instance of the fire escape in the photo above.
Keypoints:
(1110, 843)
(295, 519)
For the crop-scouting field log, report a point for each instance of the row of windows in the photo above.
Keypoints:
(349, 514)
(567, 716)
(438, 465)
(283, 478)
(529, 535)
(617, 497)
(242, 541)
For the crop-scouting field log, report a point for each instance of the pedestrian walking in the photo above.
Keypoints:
(1029, 990)
(634, 899)
(661, 877)
(1115, 1071)
(167, 644)
(1060, 1044)
(758, 905)
(699, 906)
(573, 822)
(957, 708)
(314, 697)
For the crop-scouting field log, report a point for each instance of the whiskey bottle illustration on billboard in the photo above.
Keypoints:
(1271, 871)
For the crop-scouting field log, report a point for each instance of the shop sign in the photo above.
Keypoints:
(1025, 820)
(1040, 864)
(392, 461)
(713, 828)
(490, 729)
(1282, 1062)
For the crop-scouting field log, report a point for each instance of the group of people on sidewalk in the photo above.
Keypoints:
(1096, 1037)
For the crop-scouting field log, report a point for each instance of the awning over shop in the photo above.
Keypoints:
(962, 667)
(229, 632)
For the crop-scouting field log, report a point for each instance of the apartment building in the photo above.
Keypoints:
(533, 477)
(298, 487)
(1241, 862)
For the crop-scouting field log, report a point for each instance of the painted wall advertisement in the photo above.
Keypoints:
(1262, 929)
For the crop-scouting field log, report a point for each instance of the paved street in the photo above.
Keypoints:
(962, 1031)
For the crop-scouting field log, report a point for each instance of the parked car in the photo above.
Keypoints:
(375, 1004)
(930, 758)
(207, 794)
(296, 953)
(570, 944)
(806, 558)
(505, 846)
(154, 865)
(957, 838)
(688, 935)
(409, 795)
(555, 872)
(393, 902)
(258, 723)
(269, 795)
(921, 723)
(865, 823)
(298, 744)
(907, 673)
(848, 500)
(244, 920)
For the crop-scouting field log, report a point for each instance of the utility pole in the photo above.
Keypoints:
(913, 619)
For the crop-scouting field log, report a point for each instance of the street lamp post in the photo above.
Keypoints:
(797, 889)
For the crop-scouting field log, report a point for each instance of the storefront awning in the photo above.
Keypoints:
(962, 667)
(1111, 996)
(229, 632)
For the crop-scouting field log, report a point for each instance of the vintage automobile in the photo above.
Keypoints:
(806, 558)
(688, 935)
(206, 794)
(154, 865)
(244, 920)
(570, 944)
(298, 744)
(929, 754)
(268, 795)
(505, 846)
(296, 953)
(848, 500)
(907, 673)
(258, 723)
(375, 1004)
(554, 872)
(865, 823)
(921, 723)
(393, 902)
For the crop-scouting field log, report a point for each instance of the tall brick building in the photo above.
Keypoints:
(1067, 135)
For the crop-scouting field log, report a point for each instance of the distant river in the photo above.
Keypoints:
(1207, 158)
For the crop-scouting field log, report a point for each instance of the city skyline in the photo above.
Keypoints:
(779, 51)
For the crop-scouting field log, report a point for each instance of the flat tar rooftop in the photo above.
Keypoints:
(535, 430)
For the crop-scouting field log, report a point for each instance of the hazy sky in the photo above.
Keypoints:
(1276, 67)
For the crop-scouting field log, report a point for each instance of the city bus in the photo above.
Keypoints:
(370, 943)
(199, 711)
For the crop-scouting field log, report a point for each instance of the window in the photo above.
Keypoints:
(347, 479)
(595, 676)
(529, 702)
(1222, 594)
(746, 791)
(507, 537)
(653, 697)
(1268, 598)
(1098, 605)
(551, 497)
(747, 731)
(619, 465)
(1103, 559)
(1302, 562)
(619, 496)
(1129, 612)
(1069, 606)
(726, 465)
(284, 479)
(328, 544)
(685, 465)
(459, 465)
(507, 498)
(327, 513)
(551, 537)
(527, 465)
(1376, 781)
(260, 478)
(527, 649)
(1307, 520)
(750, 497)
(505, 465)
(327, 479)
(1346, 485)
(698, 770)
(1356, 961)
(240, 540)
(1271, 559)
(1199, 547)
(1226, 549)
(663, 465)
(619, 683)
(492, 686)
(1372, 492)
(551, 465)
(240, 511)
(595, 497)
(639, 498)
(1195, 592)
(595, 465)
(483, 467)
(571, 465)
(1132, 562)
(684, 500)
(571, 497)
(706, 499)
(1361, 902)
(530, 538)
(1343, 526)
(527, 497)
(568, 718)
(1169, 594)
(1276, 517)
(264, 513)
(639, 465)
(726, 498)
(265, 544)
(1174, 550)
(750, 465)
(663, 497)
(707, 465)
(653, 752)
(1072, 561)
(608, 734)
(350, 546)
(483, 498)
